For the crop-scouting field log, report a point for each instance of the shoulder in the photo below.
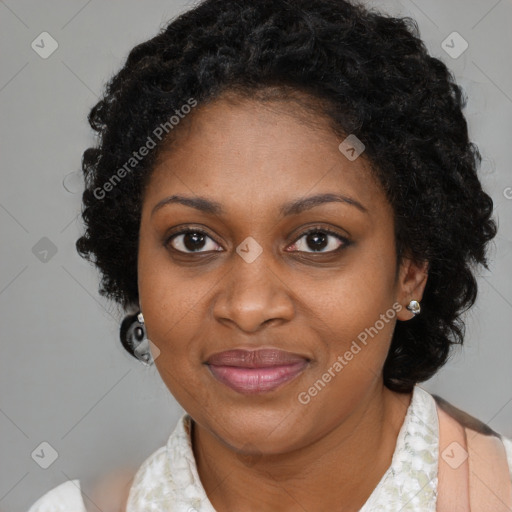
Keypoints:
(109, 493)
(463, 418)
(507, 443)
(63, 498)
(478, 428)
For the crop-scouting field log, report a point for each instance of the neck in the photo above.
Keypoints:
(339, 470)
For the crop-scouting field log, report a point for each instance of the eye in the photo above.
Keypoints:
(318, 239)
(191, 241)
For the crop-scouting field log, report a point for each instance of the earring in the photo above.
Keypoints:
(414, 307)
(142, 350)
(134, 339)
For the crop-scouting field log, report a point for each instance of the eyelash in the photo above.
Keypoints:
(345, 241)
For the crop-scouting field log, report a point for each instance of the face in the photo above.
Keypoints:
(249, 276)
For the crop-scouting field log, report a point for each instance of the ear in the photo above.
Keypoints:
(412, 278)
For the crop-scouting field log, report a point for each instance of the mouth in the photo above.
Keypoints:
(256, 371)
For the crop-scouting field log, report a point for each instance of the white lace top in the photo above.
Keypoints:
(168, 480)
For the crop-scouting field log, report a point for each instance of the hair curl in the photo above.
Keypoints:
(373, 77)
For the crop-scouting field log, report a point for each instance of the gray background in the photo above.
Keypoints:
(65, 378)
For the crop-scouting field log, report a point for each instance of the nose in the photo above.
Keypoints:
(252, 295)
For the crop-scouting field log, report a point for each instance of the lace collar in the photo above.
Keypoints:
(168, 480)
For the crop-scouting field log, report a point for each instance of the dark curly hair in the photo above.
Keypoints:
(370, 75)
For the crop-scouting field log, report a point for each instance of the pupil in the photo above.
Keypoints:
(317, 237)
(194, 236)
(316, 240)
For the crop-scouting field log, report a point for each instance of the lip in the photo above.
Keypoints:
(256, 371)
(260, 358)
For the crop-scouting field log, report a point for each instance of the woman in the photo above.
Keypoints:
(285, 200)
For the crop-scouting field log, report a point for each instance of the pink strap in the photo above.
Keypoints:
(490, 485)
(453, 467)
(473, 473)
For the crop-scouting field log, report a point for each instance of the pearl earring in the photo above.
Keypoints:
(414, 307)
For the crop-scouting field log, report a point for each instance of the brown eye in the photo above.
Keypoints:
(319, 239)
(192, 241)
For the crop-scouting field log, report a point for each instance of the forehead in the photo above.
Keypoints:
(259, 154)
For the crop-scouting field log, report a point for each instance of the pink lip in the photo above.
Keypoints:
(256, 380)
(255, 371)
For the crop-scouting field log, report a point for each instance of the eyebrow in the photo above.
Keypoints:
(291, 208)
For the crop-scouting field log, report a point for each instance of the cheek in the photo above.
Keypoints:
(169, 303)
(167, 297)
(353, 311)
(356, 332)
(355, 297)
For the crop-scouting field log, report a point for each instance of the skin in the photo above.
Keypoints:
(269, 452)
